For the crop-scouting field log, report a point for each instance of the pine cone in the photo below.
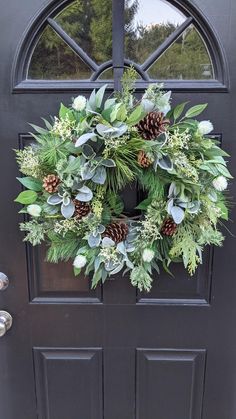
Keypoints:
(143, 159)
(116, 231)
(152, 125)
(50, 183)
(81, 209)
(169, 227)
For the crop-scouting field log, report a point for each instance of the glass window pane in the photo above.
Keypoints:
(89, 23)
(147, 24)
(106, 74)
(53, 59)
(187, 58)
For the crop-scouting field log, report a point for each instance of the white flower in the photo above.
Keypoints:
(163, 103)
(220, 183)
(79, 103)
(34, 210)
(205, 127)
(148, 255)
(80, 261)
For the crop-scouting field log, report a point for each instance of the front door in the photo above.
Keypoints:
(113, 353)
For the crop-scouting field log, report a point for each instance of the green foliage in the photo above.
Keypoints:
(31, 183)
(56, 252)
(141, 279)
(35, 232)
(26, 197)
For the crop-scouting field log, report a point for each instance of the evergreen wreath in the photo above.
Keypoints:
(83, 159)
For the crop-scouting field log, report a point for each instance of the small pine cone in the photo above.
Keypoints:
(169, 227)
(116, 231)
(50, 183)
(152, 125)
(143, 159)
(81, 209)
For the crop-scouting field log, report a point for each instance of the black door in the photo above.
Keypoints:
(73, 353)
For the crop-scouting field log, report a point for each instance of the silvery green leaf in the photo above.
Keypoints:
(195, 208)
(122, 130)
(129, 264)
(101, 129)
(85, 194)
(121, 248)
(100, 95)
(108, 163)
(88, 151)
(172, 190)
(49, 209)
(213, 196)
(94, 241)
(109, 103)
(84, 138)
(91, 103)
(87, 172)
(110, 266)
(177, 214)
(68, 210)
(165, 163)
(130, 248)
(170, 205)
(66, 200)
(107, 242)
(161, 139)
(97, 263)
(100, 176)
(101, 228)
(147, 105)
(54, 200)
(117, 269)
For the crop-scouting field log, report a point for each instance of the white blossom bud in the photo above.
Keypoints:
(80, 261)
(220, 183)
(205, 127)
(79, 103)
(148, 255)
(34, 210)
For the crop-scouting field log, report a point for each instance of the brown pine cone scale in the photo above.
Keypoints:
(169, 227)
(50, 183)
(143, 159)
(81, 209)
(116, 232)
(152, 125)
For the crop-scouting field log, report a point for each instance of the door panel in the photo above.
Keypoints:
(113, 353)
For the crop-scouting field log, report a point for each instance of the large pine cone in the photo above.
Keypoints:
(152, 125)
(81, 209)
(50, 183)
(169, 227)
(143, 159)
(116, 231)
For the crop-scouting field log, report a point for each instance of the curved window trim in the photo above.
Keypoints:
(20, 84)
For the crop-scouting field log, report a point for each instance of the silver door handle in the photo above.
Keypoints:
(4, 281)
(5, 322)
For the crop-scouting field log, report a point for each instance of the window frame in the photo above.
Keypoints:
(20, 83)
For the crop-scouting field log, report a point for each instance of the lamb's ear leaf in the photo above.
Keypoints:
(100, 95)
(108, 163)
(54, 199)
(177, 214)
(100, 176)
(94, 241)
(68, 210)
(165, 163)
(84, 138)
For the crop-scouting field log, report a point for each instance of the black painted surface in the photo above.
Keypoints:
(113, 354)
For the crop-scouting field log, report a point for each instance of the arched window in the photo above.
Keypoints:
(84, 42)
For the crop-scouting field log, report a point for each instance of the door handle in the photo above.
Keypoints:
(4, 281)
(5, 322)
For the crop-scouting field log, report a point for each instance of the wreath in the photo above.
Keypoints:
(78, 165)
